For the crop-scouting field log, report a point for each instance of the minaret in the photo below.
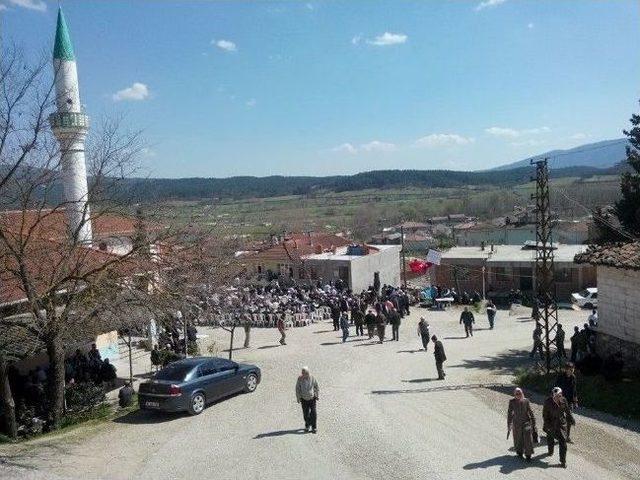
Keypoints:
(69, 124)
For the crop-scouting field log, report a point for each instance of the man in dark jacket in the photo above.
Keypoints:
(537, 342)
(394, 319)
(438, 353)
(381, 324)
(335, 316)
(557, 415)
(467, 318)
(370, 320)
(560, 342)
(567, 382)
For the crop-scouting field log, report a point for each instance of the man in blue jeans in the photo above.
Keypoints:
(307, 394)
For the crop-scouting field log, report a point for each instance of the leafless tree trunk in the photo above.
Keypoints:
(8, 404)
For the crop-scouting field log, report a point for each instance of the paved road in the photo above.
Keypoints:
(381, 415)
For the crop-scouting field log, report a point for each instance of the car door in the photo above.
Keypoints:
(228, 379)
(208, 379)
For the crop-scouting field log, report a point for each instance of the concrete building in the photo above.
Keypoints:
(313, 257)
(498, 233)
(511, 267)
(618, 269)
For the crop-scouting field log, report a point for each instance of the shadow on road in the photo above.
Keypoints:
(502, 363)
(410, 351)
(367, 344)
(455, 338)
(442, 388)
(267, 346)
(420, 380)
(508, 463)
(146, 417)
(325, 331)
(332, 343)
(280, 433)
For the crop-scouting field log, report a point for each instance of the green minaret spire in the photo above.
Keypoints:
(62, 50)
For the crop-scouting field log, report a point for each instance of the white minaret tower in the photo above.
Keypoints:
(69, 124)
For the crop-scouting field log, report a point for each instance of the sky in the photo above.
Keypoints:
(224, 88)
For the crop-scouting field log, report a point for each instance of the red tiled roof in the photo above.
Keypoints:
(47, 264)
(298, 244)
(619, 255)
(52, 224)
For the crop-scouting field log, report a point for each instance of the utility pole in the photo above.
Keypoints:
(404, 260)
(545, 283)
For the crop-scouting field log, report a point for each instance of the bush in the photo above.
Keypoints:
(99, 412)
(618, 398)
(193, 349)
(81, 397)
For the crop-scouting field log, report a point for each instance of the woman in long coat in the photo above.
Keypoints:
(522, 423)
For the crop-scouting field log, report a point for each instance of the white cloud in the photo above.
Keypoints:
(251, 102)
(2, 7)
(137, 91)
(345, 148)
(377, 146)
(37, 5)
(528, 143)
(443, 140)
(578, 136)
(489, 4)
(310, 6)
(388, 38)
(226, 45)
(356, 40)
(530, 25)
(148, 152)
(514, 133)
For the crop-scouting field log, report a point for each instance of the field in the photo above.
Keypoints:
(365, 212)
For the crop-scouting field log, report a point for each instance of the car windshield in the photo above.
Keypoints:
(176, 373)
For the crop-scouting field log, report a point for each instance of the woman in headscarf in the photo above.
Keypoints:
(522, 423)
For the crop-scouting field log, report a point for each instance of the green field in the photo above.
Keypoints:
(364, 212)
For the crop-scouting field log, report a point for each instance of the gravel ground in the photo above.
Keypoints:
(381, 414)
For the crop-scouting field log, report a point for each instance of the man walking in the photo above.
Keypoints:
(537, 342)
(423, 332)
(491, 313)
(381, 325)
(344, 326)
(557, 416)
(307, 394)
(438, 353)
(566, 381)
(467, 318)
(394, 319)
(281, 328)
(370, 320)
(357, 315)
(560, 342)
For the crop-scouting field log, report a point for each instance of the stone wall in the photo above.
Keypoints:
(619, 303)
(630, 352)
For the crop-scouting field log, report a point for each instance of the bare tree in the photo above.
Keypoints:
(64, 283)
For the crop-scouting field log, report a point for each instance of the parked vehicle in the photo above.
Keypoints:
(587, 298)
(190, 384)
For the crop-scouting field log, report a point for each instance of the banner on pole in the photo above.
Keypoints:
(434, 256)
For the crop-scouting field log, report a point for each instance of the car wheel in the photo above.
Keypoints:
(197, 404)
(588, 305)
(250, 383)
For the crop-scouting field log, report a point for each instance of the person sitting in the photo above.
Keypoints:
(125, 395)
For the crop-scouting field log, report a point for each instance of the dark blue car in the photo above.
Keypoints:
(189, 384)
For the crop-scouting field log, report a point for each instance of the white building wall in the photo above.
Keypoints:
(619, 303)
(386, 262)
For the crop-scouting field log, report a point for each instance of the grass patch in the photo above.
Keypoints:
(619, 398)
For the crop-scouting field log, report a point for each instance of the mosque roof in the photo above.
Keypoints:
(62, 48)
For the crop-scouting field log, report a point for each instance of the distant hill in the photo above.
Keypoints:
(600, 155)
(158, 189)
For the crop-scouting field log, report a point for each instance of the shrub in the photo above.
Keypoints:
(81, 397)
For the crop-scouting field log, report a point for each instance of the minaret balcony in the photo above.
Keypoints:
(69, 120)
